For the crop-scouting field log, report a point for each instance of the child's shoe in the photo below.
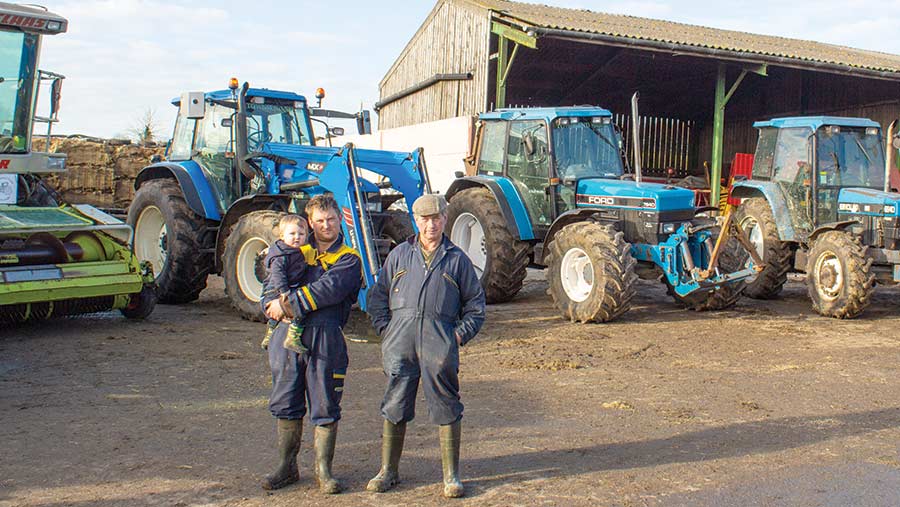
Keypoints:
(292, 341)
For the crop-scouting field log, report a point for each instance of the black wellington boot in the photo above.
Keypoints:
(450, 440)
(326, 436)
(287, 473)
(391, 448)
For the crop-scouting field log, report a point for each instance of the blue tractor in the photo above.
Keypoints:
(237, 161)
(549, 187)
(818, 202)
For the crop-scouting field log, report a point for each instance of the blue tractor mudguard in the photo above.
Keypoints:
(774, 195)
(340, 171)
(197, 191)
(511, 205)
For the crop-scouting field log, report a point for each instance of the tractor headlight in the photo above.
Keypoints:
(890, 210)
(668, 228)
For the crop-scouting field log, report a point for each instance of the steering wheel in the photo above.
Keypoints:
(257, 138)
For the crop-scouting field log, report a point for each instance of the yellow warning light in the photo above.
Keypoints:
(233, 83)
(320, 93)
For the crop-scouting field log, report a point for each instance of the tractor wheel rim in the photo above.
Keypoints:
(151, 238)
(468, 235)
(248, 259)
(755, 235)
(829, 276)
(577, 274)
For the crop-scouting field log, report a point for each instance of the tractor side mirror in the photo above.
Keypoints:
(528, 143)
(336, 131)
(55, 95)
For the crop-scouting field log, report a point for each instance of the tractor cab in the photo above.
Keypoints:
(204, 133)
(20, 40)
(817, 162)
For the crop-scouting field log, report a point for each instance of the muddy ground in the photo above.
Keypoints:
(766, 404)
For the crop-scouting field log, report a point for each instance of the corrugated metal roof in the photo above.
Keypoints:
(798, 52)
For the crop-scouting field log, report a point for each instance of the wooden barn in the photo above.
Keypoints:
(701, 88)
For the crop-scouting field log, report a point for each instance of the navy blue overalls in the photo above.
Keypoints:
(334, 279)
(419, 311)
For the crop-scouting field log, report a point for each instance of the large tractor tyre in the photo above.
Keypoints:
(174, 239)
(397, 227)
(243, 261)
(476, 225)
(732, 258)
(591, 272)
(755, 217)
(839, 278)
(141, 304)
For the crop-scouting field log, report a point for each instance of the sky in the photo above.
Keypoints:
(123, 58)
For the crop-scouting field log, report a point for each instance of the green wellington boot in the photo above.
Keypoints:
(287, 473)
(391, 448)
(326, 436)
(450, 439)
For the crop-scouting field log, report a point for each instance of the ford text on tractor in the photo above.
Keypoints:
(549, 188)
(818, 202)
(238, 160)
(56, 259)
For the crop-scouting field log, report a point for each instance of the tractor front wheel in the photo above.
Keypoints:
(242, 263)
(838, 275)
(476, 225)
(172, 238)
(591, 272)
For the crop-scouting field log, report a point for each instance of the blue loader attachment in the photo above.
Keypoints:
(239, 159)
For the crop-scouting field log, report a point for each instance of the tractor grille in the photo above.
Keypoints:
(40, 311)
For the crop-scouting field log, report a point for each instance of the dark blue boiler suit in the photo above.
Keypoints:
(418, 311)
(334, 279)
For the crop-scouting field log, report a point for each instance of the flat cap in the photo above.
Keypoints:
(429, 204)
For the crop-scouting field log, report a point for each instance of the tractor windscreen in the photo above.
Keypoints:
(849, 157)
(18, 55)
(274, 122)
(586, 147)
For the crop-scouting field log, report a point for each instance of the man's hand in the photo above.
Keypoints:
(274, 310)
(458, 339)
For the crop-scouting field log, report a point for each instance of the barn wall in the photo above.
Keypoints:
(452, 40)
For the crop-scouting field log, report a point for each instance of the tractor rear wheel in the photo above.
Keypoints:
(397, 227)
(591, 272)
(476, 225)
(755, 217)
(175, 240)
(732, 258)
(242, 263)
(839, 278)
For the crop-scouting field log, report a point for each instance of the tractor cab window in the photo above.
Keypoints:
(18, 59)
(182, 139)
(528, 166)
(765, 153)
(211, 152)
(849, 157)
(791, 169)
(270, 121)
(586, 147)
(493, 144)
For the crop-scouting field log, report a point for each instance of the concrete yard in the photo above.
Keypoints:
(766, 404)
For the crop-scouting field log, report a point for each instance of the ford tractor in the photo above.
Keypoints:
(549, 187)
(818, 202)
(238, 160)
(56, 259)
